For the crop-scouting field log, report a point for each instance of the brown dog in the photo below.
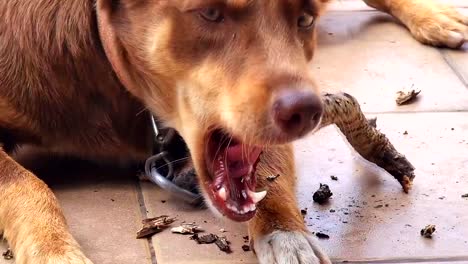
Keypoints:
(229, 75)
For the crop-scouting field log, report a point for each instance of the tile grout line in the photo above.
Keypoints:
(144, 214)
(416, 112)
(453, 66)
(407, 260)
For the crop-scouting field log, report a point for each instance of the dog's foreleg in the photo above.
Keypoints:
(429, 21)
(31, 219)
(278, 233)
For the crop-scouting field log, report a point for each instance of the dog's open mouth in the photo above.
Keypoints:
(231, 165)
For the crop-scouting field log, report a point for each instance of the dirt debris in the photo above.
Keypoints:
(8, 254)
(334, 178)
(154, 225)
(406, 97)
(465, 195)
(428, 231)
(322, 195)
(322, 235)
(246, 248)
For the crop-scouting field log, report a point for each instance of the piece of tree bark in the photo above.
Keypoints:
(344, 111)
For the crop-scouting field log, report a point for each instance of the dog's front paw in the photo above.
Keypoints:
(283, 247)
(436, 24)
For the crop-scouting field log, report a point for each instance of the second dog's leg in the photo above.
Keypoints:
(430, 21)
(278, 232)
(31, 219)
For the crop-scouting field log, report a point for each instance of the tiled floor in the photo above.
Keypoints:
(364, 53)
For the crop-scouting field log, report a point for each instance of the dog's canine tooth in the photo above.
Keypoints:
(257, 196)
(244, 194)
(222, 193)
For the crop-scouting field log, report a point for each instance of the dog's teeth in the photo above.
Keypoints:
(222, 193)
(244, 194)
(257, 196)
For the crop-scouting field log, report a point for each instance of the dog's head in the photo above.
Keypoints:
(230, 75)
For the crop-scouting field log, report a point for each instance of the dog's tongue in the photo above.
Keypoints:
(241, 159)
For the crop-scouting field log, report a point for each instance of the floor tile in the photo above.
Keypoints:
(353, 5)
(373, 218)
(179, 249)
(458, 59)
(100, 205)
(370, 56)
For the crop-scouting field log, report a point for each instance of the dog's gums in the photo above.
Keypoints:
(231, 165)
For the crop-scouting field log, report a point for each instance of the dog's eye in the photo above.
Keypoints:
(212, 14)
(305, 21)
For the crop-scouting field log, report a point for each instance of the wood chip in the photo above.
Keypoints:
(186, 229)
(154, 225)
(405, 97)
(428, 231)
(206, 239)
(8, 254)
(223, 244)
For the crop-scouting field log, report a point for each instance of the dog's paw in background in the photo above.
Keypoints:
(289, 247)
(433, 23)
(68, 253)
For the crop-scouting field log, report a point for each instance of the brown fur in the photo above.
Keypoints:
(75, 77)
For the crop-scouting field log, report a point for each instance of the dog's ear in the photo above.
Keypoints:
(106, 10)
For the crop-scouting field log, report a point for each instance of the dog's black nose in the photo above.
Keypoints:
(297, 112)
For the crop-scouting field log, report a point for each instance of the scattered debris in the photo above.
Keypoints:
(223, 244)
(428, 231)
(246, 248)
(332, 210)
(465, 195)
(322, 235)
(186, 229)
(272, 177)
(378, 206)
(246, 238)
(163, 201)
(404, 97)
(405, 133)
(334, 178)
(322, 194)
(442, 198)
(154, 225)
(8, 254)
(304, 211)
